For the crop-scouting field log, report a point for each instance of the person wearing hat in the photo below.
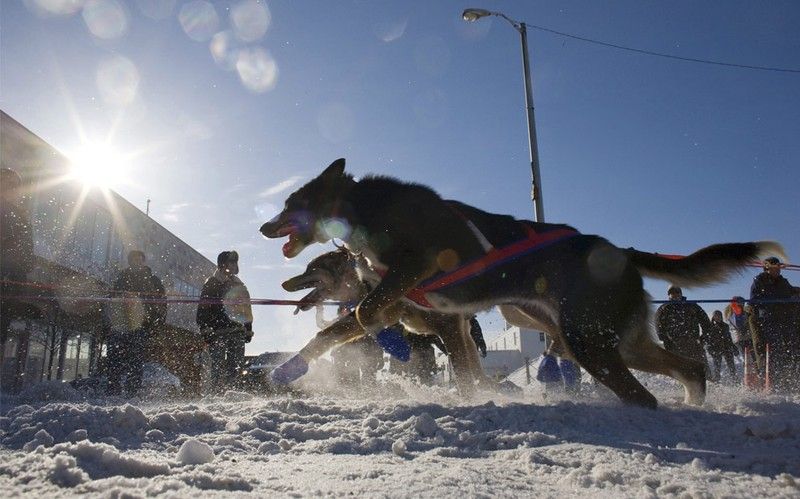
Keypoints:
(775, 324)
(681, 325)
(225, 318)
(135, 318)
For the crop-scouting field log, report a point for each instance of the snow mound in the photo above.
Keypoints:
(195, 452)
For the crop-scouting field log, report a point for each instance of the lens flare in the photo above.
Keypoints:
(199, 20)
(117, 80)
(257, 70)
(250, 20)
(390, 31)
(222, 50)
(105, 19)
(335, 228)
(46, 8)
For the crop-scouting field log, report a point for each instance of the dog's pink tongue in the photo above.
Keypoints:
(287, 248)
(290, 248)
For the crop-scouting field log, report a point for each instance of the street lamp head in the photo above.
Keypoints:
(472, 15)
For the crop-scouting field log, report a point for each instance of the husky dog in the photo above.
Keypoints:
(340, 276)
(457, 259)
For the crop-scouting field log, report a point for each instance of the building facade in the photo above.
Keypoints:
(510, 350)
(81, 240)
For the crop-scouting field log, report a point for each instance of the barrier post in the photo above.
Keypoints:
(751, 380)
(767, 373)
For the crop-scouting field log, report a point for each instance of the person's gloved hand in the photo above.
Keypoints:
(248, 332)
(483, 353)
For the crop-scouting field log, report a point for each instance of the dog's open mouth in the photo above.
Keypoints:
(294, 245)
(306, 281)
(302, 281)
(310, 300)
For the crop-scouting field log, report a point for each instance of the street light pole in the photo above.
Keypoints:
(533, 147)
(471, 15)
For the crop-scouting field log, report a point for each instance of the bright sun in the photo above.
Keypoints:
(98, 165)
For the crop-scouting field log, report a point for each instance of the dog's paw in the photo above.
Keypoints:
(289, 371)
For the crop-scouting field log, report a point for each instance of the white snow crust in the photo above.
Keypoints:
(407, 441)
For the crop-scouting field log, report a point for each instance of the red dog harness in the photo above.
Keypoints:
(494, 257)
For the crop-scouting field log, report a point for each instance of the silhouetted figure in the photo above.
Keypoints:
(776, 324)
(134, 319)
(225, 327)
(720, 345)
(680, 324)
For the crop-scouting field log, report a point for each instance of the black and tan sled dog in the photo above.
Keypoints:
(457, 259)
(344, 277)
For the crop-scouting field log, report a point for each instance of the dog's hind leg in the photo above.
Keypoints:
(463, 354)
(594, 346)
(645, 355)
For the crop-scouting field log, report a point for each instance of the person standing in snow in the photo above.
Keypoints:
(775, 325)
(134, 319)
(737, 314)
(225, 327)
(681, 325)
(719, 344)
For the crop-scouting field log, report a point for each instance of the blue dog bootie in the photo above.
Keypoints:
(394, 343)
(548, 371)
(568, 372)
(289, 371)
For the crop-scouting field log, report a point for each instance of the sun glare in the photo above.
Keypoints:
(98, 165)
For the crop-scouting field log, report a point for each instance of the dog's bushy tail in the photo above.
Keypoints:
(715, 263)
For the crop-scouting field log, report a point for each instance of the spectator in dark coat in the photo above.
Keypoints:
(679, 326)
(775, 325)
(225, 327)
(720, 345)
(134, 320)
(477, 335)
(16, 250)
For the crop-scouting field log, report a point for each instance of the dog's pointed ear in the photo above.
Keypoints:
(335, 169)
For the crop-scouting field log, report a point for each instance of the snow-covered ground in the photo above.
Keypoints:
(400, 440)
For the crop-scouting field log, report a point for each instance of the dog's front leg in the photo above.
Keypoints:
(341, 331)
(397, 282)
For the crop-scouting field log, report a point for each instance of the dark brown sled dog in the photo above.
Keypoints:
(458, 259)
(336, 275)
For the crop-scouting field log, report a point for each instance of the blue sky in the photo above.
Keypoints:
(659, 154)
